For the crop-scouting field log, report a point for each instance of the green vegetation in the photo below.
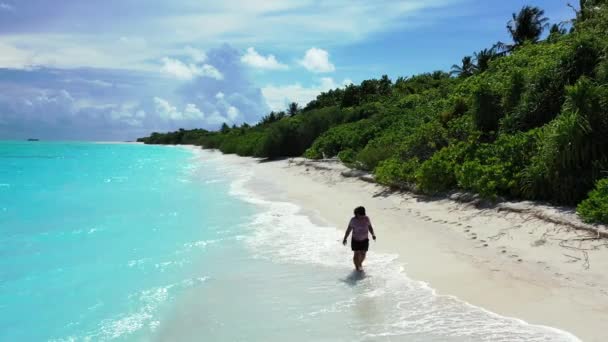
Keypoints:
(595, 208)
(524, 120)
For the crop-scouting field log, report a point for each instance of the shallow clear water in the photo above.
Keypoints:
(145, 243)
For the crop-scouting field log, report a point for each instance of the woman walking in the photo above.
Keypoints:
(361, 227)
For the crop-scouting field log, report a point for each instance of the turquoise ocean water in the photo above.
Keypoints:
(127, 242)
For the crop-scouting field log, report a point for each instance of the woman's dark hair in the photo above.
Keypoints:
(359, 211)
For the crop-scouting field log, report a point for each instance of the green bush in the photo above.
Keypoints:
(595, 208)
(573, 148)
(488, 178)
(313, 153)
(346, 136)
(424, 141)
(487, 108)
(394, 172)
(438, 173)
(517, 84)
(459, 107)
(347, 156)
(372, 155)
(496, 169)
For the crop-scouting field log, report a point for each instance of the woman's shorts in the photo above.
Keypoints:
(357, 245)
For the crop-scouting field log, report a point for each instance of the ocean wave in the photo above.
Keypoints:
(145, 317)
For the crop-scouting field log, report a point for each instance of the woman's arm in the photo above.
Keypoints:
(371, 230)
(348, 230)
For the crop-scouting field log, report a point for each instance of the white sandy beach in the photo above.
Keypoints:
(512, 263)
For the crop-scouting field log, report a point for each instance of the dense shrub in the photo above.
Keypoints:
(573, 148)
(595, 208)
(397, 173)
(496, 169)
(375, 152)
(438, 174)
(424, 141)
(487, 108)
(348, 136)
(347, 156)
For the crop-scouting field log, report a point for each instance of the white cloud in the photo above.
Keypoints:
(197, 56)
(127, 113)
(216, 119)
(317, 60)
(178, 69)
(254, 59)
(191, 112)
(233, 113)
(149, 36)
(211, 71)
(28, 51)
(219, 95)
(278, 97)
(14, 58)
(183, 71)
(6, 7)
(169, 112)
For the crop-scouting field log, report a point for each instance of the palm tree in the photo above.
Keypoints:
(556, 31)
(466, 69)
(293, 109)
(483, 58)
(527, 25)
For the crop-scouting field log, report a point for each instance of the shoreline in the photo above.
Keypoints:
(513, 265)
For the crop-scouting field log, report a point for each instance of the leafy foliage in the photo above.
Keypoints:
(595, 208)
(466, 69)
(527, 25)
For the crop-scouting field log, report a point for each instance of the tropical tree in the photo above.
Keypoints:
(293, 109)
(527, 25)
(385, 86)
(225, 128)
(586, 8)
(466, 69)
(483, 58)
(270, 118)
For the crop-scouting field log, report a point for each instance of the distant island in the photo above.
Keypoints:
(525, 120)
(33, 139)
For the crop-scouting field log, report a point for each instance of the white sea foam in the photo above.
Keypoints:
(412, 310)
(148, 302)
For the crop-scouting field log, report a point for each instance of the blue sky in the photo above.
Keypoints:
(120, 69)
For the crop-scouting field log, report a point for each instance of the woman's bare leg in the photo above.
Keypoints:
(361, 258)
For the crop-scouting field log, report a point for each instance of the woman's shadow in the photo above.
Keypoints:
(354, 278)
